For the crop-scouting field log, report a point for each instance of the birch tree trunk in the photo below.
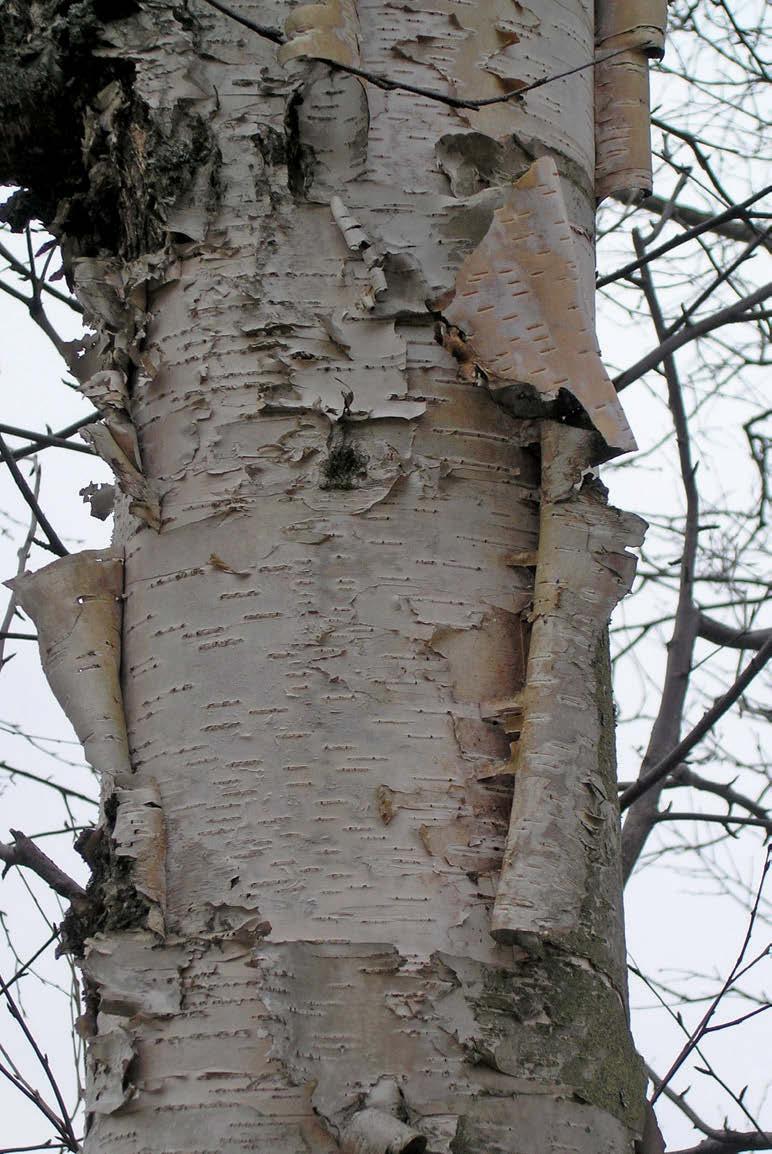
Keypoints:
(360, 577)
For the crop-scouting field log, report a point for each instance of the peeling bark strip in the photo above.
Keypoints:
(622, 145)
(75, 603)
(518, 300)
(562, 851)
(139, 833)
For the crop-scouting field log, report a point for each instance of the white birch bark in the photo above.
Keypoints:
(322, 632)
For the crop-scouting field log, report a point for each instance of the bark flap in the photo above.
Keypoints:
(634, 32)
(518, 305)
(75, 603)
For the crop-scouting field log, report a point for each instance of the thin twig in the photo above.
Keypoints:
(54, 544)
(21, 270)
(694, 1038)
(703, 726)
(705, 226)
(717, 818)
(62, 789)
(61, 1123)
(683, 777)
(23, 969)
(688, 216)
(22, 555)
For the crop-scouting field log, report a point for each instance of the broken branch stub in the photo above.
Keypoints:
(564, 809)
(75, 603)
(518, 302)
(628, 34)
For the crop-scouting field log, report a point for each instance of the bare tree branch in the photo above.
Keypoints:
(703, 726)
(732, 314)
(730, 1142)
(719, 634)
(23, 852)
(22, 271)
(706, 226)
(61, 1122)
(683, 776)
(23, 969)
(691, 217)
(62, 789)
(22, 555)
(61, 435)
(717, 818)
(54, 544)
(43, 439)
(737, 969)
(667, 726)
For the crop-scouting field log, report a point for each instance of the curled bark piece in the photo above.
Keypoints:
(564, 816)
(638, 24)
(101, 498)
(106, 388)
(518, 302)
(622, 145)
(113, 441)
(75, 603)
(373, 1131)
(327, 31)
(358, 241)
(379, 1127)
(110, 1054)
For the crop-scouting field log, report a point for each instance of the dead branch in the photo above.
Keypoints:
(23, 852)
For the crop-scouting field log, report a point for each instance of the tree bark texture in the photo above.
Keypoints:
(337, 485)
